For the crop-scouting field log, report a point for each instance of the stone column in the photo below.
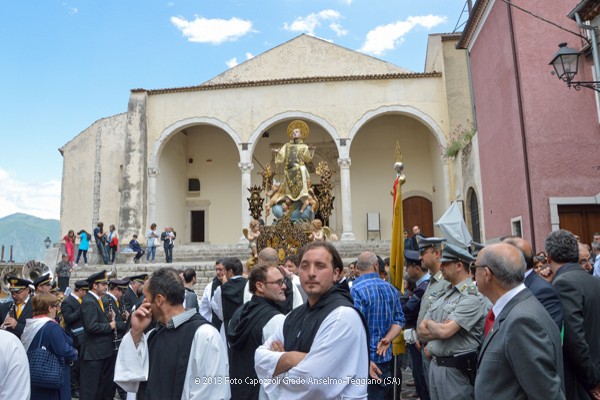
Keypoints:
(133, 195)
(246, 168)
(347, 233)
(152, 174)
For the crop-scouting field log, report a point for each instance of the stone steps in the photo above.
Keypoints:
(202, 258)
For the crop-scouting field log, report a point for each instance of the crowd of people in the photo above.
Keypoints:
(483, 322)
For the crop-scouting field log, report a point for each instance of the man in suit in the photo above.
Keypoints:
(580, 297)
(71, 312)
(521, 355)
(15, 313)
(97, 349)
(541, 289)
(133, 292)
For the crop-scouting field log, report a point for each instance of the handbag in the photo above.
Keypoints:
(45, 368)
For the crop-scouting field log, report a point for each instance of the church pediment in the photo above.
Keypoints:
(305, 57)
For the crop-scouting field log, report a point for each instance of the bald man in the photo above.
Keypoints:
(521, 354)
(541, 289)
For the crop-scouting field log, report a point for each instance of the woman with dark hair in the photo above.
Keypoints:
(43, 331)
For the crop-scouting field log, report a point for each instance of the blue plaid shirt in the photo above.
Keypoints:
(379, 302)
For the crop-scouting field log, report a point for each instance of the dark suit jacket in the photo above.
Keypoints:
(71, 312)
(99, 336)
(26, 313)
(546, 294)
(580, 296)
(129, 299)
(521, 357)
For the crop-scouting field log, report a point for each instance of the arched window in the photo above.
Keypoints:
(474, 215)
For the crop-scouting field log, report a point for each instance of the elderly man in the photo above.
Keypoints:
(580, 296)
(379, 303)
(453, 327)
(134, 290)
(305, 356)
(251, 325)
(14, 314)
(521, 356)
(196, 365)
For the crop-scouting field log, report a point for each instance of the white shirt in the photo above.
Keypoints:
(296, 296)
(208, 362)
(14, 368)
(597, 266)
(268, 331)
(344, 373)
(205, 308)
(505, 298)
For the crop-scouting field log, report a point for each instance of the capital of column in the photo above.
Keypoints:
(152, 172)
(246, 167)
(344, 162)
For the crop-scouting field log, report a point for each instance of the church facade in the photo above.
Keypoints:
(185, 157)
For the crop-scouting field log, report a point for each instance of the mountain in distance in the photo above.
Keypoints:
(26, 234)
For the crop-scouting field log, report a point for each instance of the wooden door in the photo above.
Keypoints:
(418, 211)
(583, 220)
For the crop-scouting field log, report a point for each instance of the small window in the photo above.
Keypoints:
(193, 185)
(517, 226)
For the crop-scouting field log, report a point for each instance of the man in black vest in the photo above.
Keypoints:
(209, 291)
(96, 370)
(250, 326)
(71, 312)
(14, 314)
(183, 358)
(230, 296)
(304, 356)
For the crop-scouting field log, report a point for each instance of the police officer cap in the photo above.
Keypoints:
(120, 283)
(452, 253)
(426, 242)
(82, 285)
(138, 278)
(475, 248)
(411, 257)
(98, 277)
(54, 288)
(42, 280)
(18, 284)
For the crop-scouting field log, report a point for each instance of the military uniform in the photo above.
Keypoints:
(455, 358)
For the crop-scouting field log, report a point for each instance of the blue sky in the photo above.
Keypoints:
(67, 63)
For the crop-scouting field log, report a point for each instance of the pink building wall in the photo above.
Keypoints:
(560, 124)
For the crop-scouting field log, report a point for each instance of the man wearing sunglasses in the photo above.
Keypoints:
(251, 325)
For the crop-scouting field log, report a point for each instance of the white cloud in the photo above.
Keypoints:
(214, 31)
(312, 21)
(387, 37)
(347, 2)
(71, 10)
(249, 56)
(337, 28)
(40, 199)
(232, 62)
(170, 4)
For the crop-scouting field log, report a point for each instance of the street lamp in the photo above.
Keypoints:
(47, 242)
(565, 63)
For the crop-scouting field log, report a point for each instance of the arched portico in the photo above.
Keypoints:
(373, 138)
(167, 135)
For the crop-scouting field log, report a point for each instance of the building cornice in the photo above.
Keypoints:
(290, 81)
(475, 18)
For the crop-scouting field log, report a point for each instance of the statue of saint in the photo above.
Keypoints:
(292, 158)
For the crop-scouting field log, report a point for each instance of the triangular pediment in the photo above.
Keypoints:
(304, 57)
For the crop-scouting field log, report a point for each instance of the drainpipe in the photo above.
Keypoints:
(522, 124)
(594, 44)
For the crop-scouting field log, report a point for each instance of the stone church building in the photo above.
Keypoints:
(186, 156)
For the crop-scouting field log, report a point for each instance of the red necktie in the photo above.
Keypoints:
(489, 322)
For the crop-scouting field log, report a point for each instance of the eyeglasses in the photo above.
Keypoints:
(484, 266)
(279, 283)
(584, 261)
